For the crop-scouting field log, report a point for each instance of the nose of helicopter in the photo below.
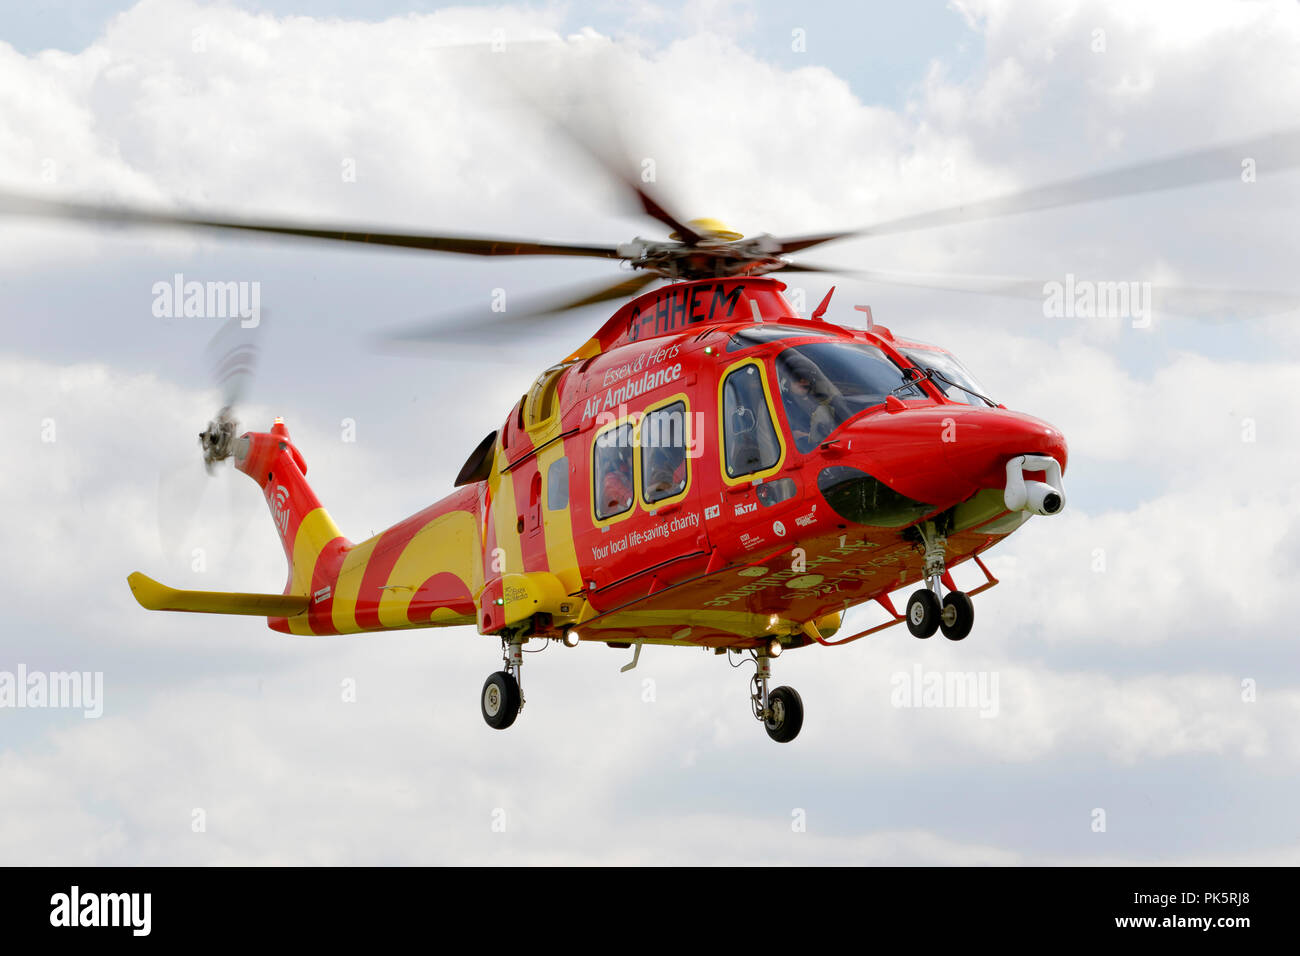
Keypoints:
(983, 440)
(944, 454)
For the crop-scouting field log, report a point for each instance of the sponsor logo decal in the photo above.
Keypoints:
(804, 521)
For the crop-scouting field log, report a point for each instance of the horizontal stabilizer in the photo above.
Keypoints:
(158, 597)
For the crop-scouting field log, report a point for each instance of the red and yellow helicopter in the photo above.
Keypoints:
(710, 469)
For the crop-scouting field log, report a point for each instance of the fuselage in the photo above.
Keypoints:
(709, 469)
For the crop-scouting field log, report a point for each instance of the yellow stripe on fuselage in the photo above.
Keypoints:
(348, 586)
(316, 530)
(505, 518)
(447, 544)
(557, 525)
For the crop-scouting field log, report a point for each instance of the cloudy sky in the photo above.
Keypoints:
(1142, 645)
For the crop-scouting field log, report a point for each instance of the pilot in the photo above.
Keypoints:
(812, 401)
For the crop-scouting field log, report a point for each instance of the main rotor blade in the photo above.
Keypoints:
(797, 243)
(806, 267)
(1279, 150)
(476, 330)
(607, 150)
(13, 204)
(654, 208)
(1189, 301)
(606, 156)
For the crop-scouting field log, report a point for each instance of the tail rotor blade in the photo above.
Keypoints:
(232, 357)
(181, 488)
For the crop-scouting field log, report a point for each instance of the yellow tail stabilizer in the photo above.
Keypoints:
(158, 597)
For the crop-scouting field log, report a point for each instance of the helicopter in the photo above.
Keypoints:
(710, 469)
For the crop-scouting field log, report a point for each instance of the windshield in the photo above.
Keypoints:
(951, 379)
(824, 383)
(767, 332)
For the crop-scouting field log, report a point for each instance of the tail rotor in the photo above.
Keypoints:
(186, 518)
(232, 356)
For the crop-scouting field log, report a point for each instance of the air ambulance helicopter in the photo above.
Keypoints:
(710, 469)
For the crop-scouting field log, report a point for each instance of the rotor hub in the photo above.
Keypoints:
(709, 231)
(218, 439)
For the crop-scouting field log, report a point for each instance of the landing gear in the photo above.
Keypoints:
(501, 700)
(781, 710)
(785, 718)
(923, 613)
(503, 695)
(958, 615)
(926, 613)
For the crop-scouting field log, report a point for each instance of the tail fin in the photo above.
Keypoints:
(312, 542)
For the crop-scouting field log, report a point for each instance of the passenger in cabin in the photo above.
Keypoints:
(666, 475)
(616, 486)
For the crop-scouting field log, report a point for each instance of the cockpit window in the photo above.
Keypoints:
(824, 383)
(949, 376)
(750, 441)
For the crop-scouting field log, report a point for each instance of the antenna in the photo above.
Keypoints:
(821, 309)
(867, 309)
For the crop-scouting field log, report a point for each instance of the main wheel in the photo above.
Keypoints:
(500, 700)
(923, 613)
(957, 617)
(787, 714)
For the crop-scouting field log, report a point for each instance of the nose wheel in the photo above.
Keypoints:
(958, 615)
(927, 611)
(923, 613)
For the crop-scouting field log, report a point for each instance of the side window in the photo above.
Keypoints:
(751, 444)
(663, 453)
(557, 485)
(612, 471)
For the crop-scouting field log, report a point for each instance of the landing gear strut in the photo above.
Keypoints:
(503, 695)
(927, 609)
(781, 710)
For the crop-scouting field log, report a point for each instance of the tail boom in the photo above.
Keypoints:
(425, 571)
